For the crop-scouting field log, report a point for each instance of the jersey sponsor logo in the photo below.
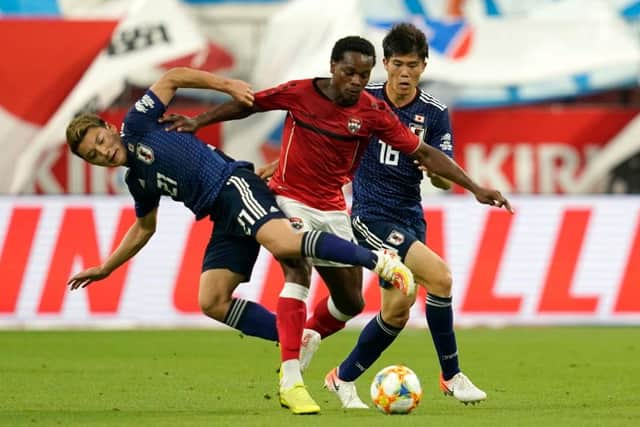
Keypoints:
(353, 125)
(144, 154)
(445, 142)
(296, 222)
(144, 104)
(138, 38)
(396, 238)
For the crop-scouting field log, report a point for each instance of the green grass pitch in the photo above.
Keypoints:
(534, 377)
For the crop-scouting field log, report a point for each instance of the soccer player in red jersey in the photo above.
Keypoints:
(327, 129)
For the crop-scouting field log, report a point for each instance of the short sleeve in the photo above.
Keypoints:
(440, 135)
(275, 98)
(144, 201)
(144, 114)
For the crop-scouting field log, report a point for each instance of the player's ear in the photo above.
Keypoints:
(332, 67)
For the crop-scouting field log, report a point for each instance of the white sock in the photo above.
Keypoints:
(290, 374)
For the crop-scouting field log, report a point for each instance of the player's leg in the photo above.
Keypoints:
(227, 262)
(277, 236)
(326, 245)
(252, 209)
(345, 289)
(343, 303)
(383, 329)
(434, 274)
(332, 312)
(291, 315)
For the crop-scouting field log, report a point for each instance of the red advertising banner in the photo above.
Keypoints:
(558, 260)
(528, 150)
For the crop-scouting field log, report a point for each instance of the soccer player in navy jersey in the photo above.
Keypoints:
(211, 184)
(387, 213)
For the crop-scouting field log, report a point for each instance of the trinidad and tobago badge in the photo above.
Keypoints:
(354, 125)
(296, 222)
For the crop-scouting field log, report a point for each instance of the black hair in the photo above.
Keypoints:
(352, 44)
(405, 39)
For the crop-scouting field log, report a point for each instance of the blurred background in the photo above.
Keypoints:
(544, 101)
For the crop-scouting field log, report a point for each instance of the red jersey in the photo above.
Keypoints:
(323, 142)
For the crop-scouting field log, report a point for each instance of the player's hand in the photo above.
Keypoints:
(493, 198)
(240, 91)
(87, 277)
(266, 172)
(179, 122)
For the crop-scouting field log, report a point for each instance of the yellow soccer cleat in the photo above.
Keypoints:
(298, 400)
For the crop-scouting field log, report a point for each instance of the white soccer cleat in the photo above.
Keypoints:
(390, 268)
(461, 387)
(308, 347)
(346, 391)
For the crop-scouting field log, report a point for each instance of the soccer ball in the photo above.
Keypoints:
(396, 390)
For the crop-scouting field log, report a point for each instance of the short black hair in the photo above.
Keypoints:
(352, 44)
(405, 39)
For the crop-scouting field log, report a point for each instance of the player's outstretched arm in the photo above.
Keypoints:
(440, 164)
(182, 77)
(230, 110)
(137, 236)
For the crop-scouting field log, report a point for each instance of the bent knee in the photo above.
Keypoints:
(396, 316)
(440, 285)
(215, 306)
(352, 306)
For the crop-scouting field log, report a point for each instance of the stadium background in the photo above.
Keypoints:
(548, 114)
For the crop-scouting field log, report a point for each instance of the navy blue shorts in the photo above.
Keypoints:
(388, 235)
(244, 204)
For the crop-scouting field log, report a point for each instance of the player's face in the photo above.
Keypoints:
(350, 76)
(103, 147)
(403, 73)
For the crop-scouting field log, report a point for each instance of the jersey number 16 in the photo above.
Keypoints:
(388, 156)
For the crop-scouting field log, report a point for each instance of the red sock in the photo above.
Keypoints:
(290, 316)
(323, 321)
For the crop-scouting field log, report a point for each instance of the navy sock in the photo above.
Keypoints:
(251, 319)
(373, 340)
(327, 246)
(440, 321)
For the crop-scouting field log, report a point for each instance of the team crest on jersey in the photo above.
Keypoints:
(144, 154)
(296, 222)
(396, 238)
(354, 125)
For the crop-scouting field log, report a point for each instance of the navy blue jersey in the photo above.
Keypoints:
(175, 164)
(386, 186)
